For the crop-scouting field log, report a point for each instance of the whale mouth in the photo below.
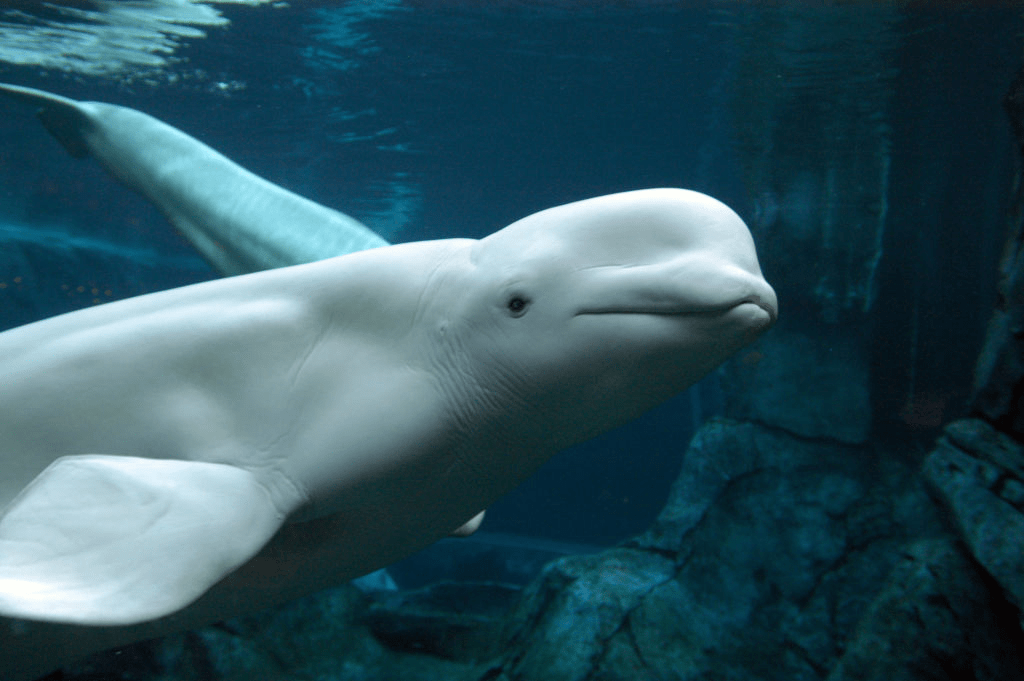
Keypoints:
(770, 309)
(703, 290)
(762, 316)
(668, 309)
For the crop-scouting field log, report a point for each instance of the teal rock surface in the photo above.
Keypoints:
(978, 473)
(937, 617)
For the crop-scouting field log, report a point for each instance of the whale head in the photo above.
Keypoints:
(585, 315)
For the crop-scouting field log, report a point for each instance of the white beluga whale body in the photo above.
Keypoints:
(185, 456)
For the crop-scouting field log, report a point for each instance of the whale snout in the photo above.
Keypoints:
(734, 290)
(755, 307)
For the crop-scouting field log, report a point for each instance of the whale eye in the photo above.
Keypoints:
(517, 304)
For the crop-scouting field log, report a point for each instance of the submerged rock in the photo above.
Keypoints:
(938, 617)
(459, 621)
(999, 373)
(778, 557)
(769, 551)
(575, 620)
(978, 473)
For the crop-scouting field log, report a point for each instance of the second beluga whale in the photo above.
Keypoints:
(238, 221)
(188, 455)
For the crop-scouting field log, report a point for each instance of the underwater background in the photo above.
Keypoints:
(864, 143)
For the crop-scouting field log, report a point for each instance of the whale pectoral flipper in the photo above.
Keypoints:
(470, 526)
(110, 540)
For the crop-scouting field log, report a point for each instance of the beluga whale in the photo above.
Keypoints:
(238, 221)
(188, 455)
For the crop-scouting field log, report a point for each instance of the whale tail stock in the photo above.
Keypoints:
(238, 221)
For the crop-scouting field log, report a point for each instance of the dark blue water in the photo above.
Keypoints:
(433, 120)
